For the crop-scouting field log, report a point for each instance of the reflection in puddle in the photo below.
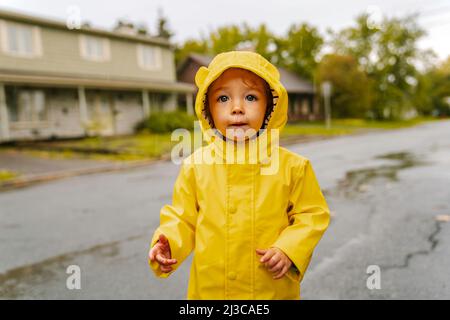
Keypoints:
(358, 181)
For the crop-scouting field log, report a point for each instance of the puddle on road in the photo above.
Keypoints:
(359, 181)
(16, 282)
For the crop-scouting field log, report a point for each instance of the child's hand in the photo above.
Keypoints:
(275, 260)
(161, 254)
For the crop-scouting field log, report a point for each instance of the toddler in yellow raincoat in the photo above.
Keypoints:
(253, 224)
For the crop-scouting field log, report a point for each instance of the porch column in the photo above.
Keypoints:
(83, 107)
(4, 119)
(145, 103)
(189, 103)
(171, 103)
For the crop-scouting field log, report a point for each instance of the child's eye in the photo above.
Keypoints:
(251, 97)
(222, 99)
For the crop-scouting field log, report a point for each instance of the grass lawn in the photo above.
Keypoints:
(149, 146)
(6, 175)
(122, 148)
(346, 126)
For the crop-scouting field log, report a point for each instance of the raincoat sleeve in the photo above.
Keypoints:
(309, 217)
(178, 220)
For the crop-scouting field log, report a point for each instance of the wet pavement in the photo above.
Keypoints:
(385, 191)
(24, 163)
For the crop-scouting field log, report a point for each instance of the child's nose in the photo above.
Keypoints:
(237, 108)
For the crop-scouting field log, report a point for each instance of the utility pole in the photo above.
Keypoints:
(326, 91)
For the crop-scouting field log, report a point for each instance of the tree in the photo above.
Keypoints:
(162, 28)
(351, 86)
(298, 50)
(232, 37)
(357, 41)
(388, 53)
(433, 90)
(379, 60)
(226, 38)
(262, 40)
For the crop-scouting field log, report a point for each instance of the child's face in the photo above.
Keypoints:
(237, 102)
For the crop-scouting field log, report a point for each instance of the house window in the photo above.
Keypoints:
(149, 57)
(20, 40)
(94, 48)
(26, 105)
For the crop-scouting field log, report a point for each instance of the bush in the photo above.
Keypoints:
(164, 122)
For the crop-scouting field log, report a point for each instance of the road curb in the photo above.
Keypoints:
(31, 179)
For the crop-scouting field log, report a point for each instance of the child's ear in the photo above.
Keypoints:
(201, 75)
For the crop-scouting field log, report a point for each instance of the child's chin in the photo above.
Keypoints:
(238, 138)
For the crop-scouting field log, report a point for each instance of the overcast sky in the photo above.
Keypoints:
(192, 18)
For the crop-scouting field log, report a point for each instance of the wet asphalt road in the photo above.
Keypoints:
(384, 189)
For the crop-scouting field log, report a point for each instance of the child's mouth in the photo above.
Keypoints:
(239, 125)
(238, 131)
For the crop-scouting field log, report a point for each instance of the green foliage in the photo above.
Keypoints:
(262, 40)
(162, 26)
(7, 175)
(351, 86)
(165, 122)
(373, 67)
(388, 54)
(296, 51)
(226, 38)
(433, 91)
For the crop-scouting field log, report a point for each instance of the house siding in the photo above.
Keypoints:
(115, 87)
(61, 55)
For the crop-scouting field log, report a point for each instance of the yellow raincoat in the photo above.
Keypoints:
(225, 211)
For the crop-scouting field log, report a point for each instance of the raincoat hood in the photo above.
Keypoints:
(247, 60)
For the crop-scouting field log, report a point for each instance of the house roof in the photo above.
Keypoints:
(57, 80)
(292, 82)
(201, 59)
(53, 23)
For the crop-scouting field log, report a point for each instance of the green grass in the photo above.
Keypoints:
(345, 126)
(311, 129)
(135, 147)
(125, 148)
(6, 175)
